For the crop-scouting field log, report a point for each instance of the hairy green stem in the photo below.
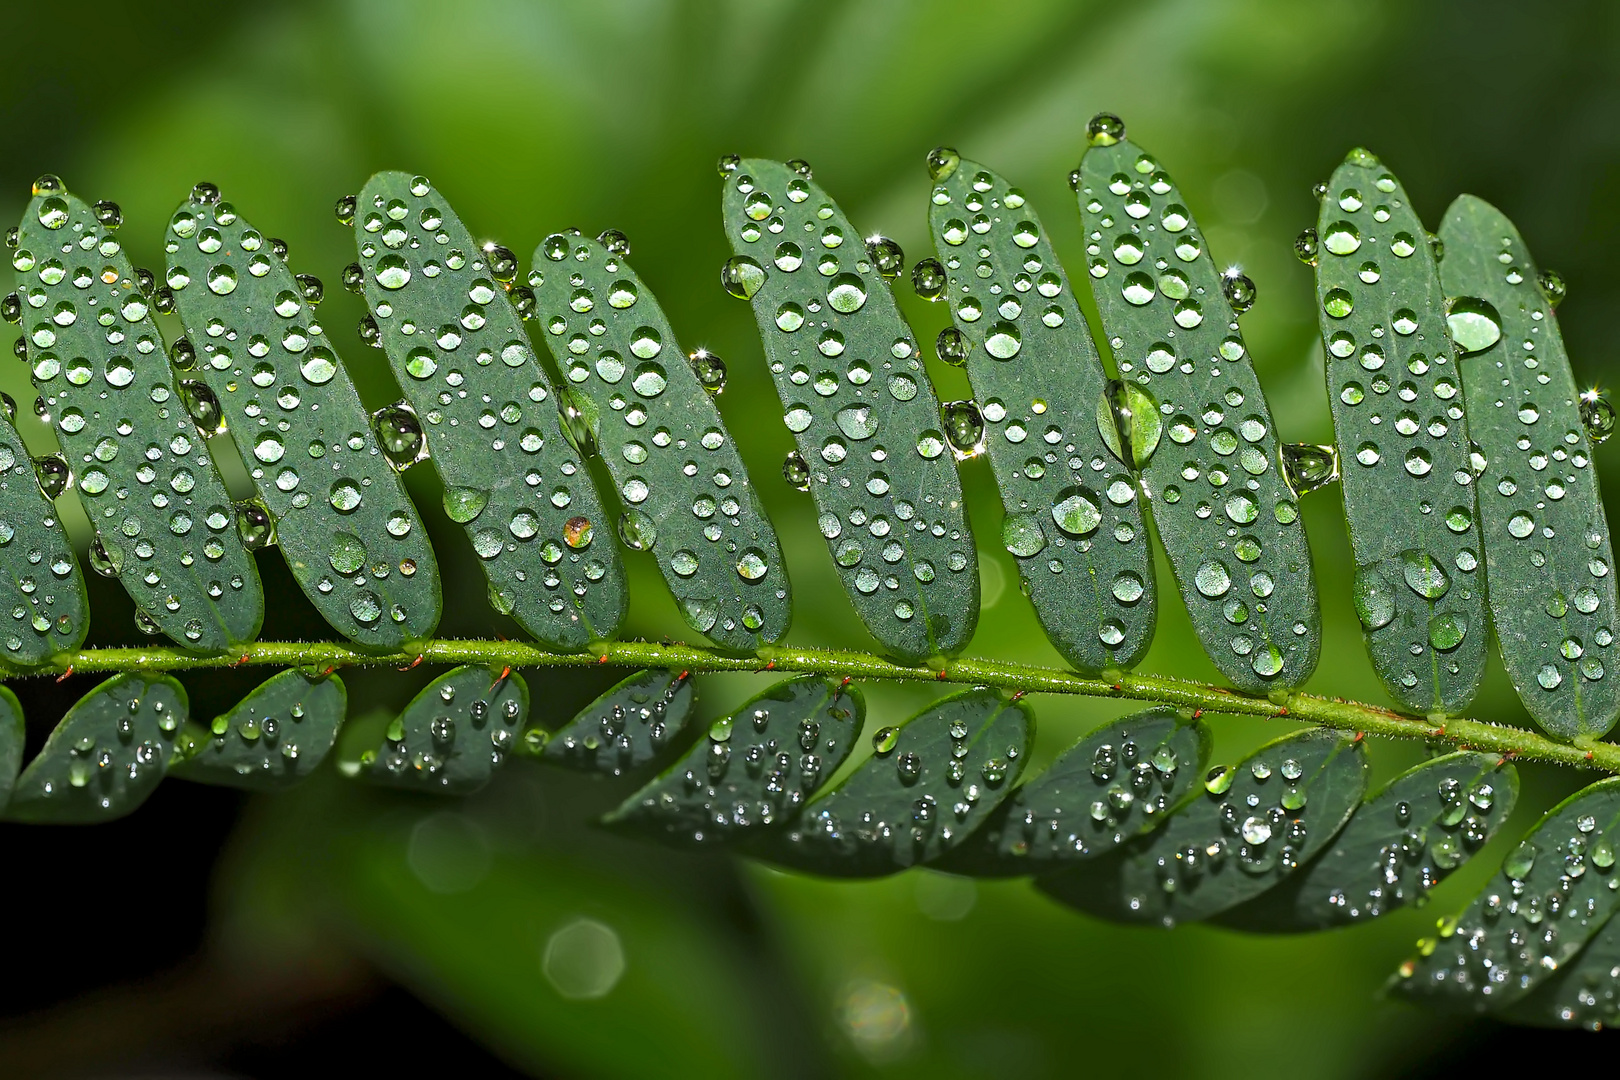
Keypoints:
(1023, 678)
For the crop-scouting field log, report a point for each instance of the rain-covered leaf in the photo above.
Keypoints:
(1255, 824)
(106, 755)
(929, 783)
(1585, 992)
(1554, 891)
(256, 361)
(1073, 520)
(269, 740)
(630, 725)
(1190, 416)
(1398, 417)
(1548, 553)
(164, 522)
(41, 588)
(755, 769)
(1124, 779)
(874, 449)
(452, 735)
(1401, 843)
(685, 493)
(487, 412)
(11, 743)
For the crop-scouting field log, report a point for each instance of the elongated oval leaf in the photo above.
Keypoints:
(686, 493)
(452, 735)
(755, 769)
(106, 755)
(269, 740)
(930, 783)
(1548, 553)
(1073, 522)
(861, 408)
(1400, 844)
(489, 414)
(1398, 417)
(257, 361)
(12, 734)
(630, 725)
(1259, 821)
(162, 516)
(1554, 891)
(1191, 406)
(1124, 779)
(1585, 992)
(41, 588)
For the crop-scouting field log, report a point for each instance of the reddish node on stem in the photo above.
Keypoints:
(1359, 736)
(68, 674)
(943, 676)
(245, 657)
(412, 664)
(602, 659)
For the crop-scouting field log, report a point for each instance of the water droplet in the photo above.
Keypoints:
(942, 162)
(964, 427)
(1426, 576)
(638, 530)
(463, 504)
(1475, 324)
(1021, 534)
(742, 277)
(1105, 129)
(1307, 466)
(1076, 512)
(928, 279)
(1597, 417)
(1129, 422)
(1212, 579)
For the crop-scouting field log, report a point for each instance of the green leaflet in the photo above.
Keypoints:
(686, 493)
(1584, 992)
(1073, 520)
(1547, 546)
(1398, 417)
(1554, 891)
(871, 445)
(163, 519)
(1401, 843)
(755, 769)
(40, 585)
(1196, 424)
(257, 361)
(106, 755)
(270, 740)
(451, 736)
(929, 784)
(1223, 849)
(12, 735)
(1122, 780)
(625, 728)
(511, 478)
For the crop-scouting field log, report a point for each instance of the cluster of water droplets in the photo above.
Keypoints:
(47, 606)
(266, 735)
(106, 756)
(1133, 786)
(454, 734)
(628, 726)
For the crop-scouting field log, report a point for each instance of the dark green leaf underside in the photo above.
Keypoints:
(1400, 844)
(350, 534)
(756, 767)
(635, 722)
(1548, 551)
(1408, 482)
(141, 469)
(452, 735)
(269, 740)
(928, 786)
(1584, 992)
(11, 743)
(1124, 779)
(1227, 517)
(685, 492)
(42, 593)
(511, 479)
(1281, 805)
(1074, 523)
(862, 411)
(106, 756)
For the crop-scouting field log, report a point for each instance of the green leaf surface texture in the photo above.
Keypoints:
(41, 587)
(106, 756)
(685, 493)
(756, 768)
(1553, 893)
(929, 783)
(1408, 480)
(1225, 512)
(1256, 824)
(1073, 519)
(141, 469)
(512, 479)
(350, 534)
(861, 409)
(635, 722)
(1585, 992)
(271, 739)
(1548, 552)
(1122, 780)
(12, 734)
(452, 735)
(1401, 843)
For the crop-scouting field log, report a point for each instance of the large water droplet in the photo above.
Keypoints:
(1129, 422)
(1076, 512)
(1424, 574)
(1475, 324)
(1374, 600)
(1308, 466)
(463, 504)
(1021, 534)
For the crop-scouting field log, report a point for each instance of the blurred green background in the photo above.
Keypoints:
(208, 922)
